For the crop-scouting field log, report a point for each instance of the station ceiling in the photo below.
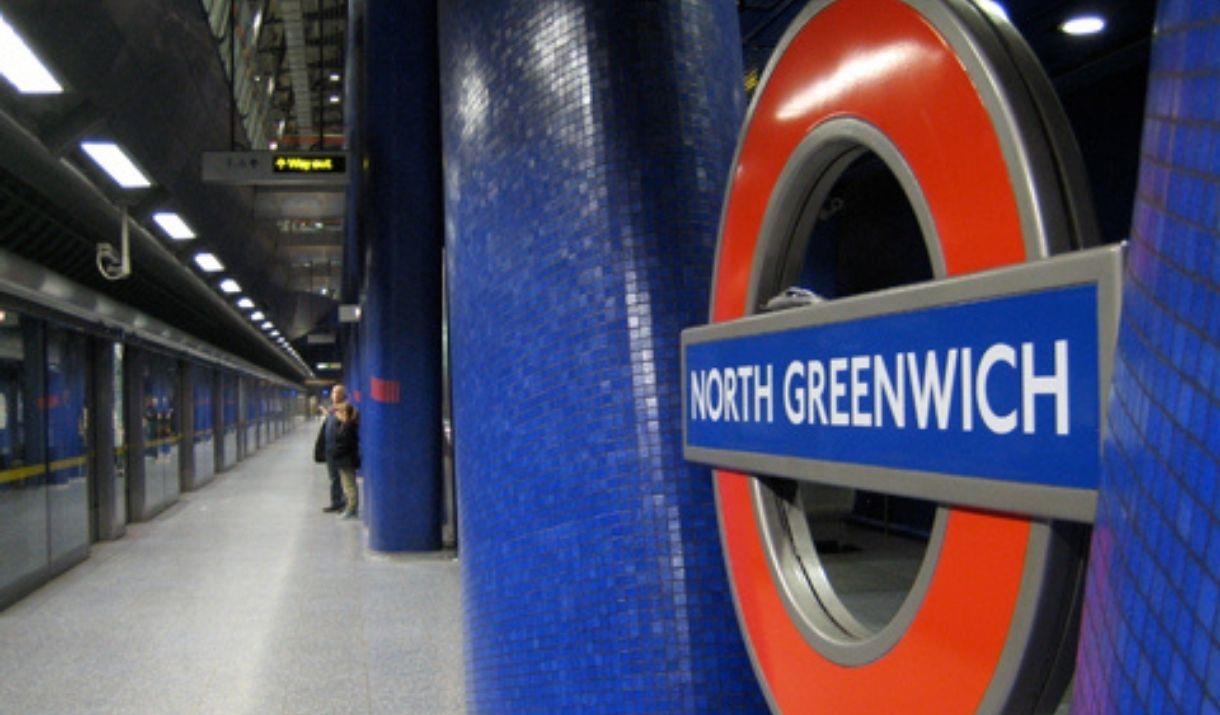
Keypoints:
(154, 76)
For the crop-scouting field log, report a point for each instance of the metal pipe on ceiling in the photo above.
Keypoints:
(65, 186)
(298, 65)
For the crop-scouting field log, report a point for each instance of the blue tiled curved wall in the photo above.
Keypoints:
(401, 371)
(1151, 635)
(586, 148)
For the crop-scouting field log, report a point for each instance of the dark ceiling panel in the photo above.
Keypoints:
(147, 74)
(152, 71)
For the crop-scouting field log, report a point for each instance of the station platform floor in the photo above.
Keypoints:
(241, 598)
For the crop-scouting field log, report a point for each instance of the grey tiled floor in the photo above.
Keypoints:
(242, 598)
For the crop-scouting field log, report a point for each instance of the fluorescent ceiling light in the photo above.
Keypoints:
(173, 225)
(1084, 25)
(209, 262)
(257, 316)
(245, 303)
(267, 325)
(114, 161)
(21, 66)
(230, 286)
(334, 99)
(334, 77)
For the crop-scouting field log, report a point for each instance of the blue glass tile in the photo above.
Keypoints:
(1159, 571)
(583, 185)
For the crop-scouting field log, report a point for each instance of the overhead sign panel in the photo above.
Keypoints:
(309, 164)
(984, 391)
(275, 168)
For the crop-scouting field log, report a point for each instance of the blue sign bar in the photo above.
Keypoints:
(989, 392)
(1004, 388)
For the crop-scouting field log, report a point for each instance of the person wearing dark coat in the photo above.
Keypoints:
(347, 455)
(324, 449)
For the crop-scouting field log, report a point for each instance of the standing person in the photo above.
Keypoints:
(324, 449)
(347, 455)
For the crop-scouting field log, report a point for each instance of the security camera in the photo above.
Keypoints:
(110, 263)
(115, 264)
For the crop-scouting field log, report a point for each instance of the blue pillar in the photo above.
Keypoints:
(587, 146)
(350, 291)
(1150, 641)
(401, 322)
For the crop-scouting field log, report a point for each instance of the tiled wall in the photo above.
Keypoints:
(401, 323)
(1151, 634)
(586, 146)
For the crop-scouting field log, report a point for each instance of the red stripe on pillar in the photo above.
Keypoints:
(385, 390)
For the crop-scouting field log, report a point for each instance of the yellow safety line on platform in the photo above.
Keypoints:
(68, 462)
(16, 474)
(162, 441)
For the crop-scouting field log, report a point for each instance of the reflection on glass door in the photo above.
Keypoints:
(23, 512)
(120, 437)
(230, 421)
(67, 441)
(204, 446)
(160, 427)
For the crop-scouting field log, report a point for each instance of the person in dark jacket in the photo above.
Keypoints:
(324, 450)
(347, 455)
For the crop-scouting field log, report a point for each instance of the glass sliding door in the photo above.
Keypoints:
(24, 538)
(120, 436)
(205, 448)
(67, 416)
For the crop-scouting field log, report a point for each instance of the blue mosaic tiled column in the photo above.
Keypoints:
(401, 349)
(1151, 635)
(587, 146)
(353, 228)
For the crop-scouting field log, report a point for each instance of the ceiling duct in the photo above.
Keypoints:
(298, 68)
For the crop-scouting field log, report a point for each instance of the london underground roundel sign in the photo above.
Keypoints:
(981, 390)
